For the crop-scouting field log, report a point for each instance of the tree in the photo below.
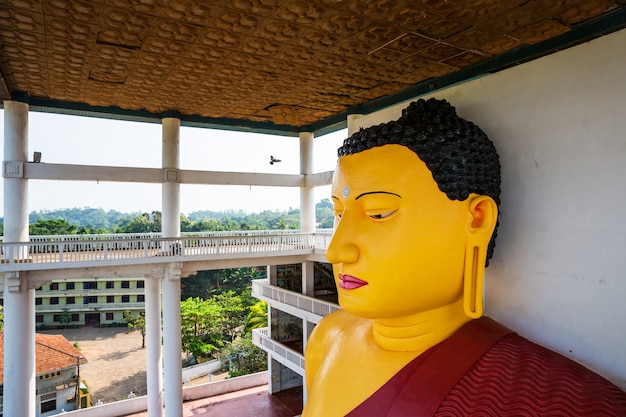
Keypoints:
(206, 284)
(140, 224)
(53, 227)
(233, 311)
(65, 319)
(201, 326)
(243, 357)
(1, 319)
(324, 213)
(257, 318)
(137, 322)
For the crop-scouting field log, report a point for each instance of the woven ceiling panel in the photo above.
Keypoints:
(292, 62)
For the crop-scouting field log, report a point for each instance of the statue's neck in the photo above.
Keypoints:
(419, 332)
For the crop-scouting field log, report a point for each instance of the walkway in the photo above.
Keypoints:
(252, 402)
(83, 251)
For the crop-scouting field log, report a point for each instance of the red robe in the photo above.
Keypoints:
(485, 369)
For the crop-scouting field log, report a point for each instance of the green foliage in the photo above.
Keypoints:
(87, 218)
(1, 319)
(52, 227)
(144, 223)
(243, 357)
(233, 310)
(65, 319)
(324, 214)
(257, 318)
(219, 319)
(206, 284)
(136, 322)
(93, 221)
(201, 326)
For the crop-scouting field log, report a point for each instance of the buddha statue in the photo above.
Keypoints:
(416, 204)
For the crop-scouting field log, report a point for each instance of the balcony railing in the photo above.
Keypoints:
(46, 252)
(90, 291)
(283, 354)
(262, 289)
(69, 308)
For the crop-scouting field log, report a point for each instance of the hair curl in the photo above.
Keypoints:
(458, 153)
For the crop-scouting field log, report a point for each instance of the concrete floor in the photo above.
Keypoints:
(252, 402)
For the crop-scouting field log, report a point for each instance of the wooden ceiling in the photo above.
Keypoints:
(276, 65)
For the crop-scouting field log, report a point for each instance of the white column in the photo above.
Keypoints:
(172, 350)
(353, 125)
(272, 274)
(15, 187)
(19, 300)
(307, 202)
(170, 195)
(273, 372)
(170, 200)
(154, 353)
(308, 278)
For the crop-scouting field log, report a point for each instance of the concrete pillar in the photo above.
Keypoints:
(307, 197)
(353, 125)
(19, 300)
(170, 201)
(308, 278)
(272, 274)
(15, 187)
(170, 195)
(154, 353)
(172, 350)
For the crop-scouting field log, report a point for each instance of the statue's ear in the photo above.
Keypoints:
(483, 215)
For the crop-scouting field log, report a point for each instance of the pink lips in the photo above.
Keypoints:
(348, 282)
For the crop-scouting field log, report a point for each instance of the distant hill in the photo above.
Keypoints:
(92, 218)
(97, 220)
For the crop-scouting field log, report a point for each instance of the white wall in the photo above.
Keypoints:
(558, 276)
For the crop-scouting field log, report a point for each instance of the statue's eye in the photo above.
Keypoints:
(383, 215)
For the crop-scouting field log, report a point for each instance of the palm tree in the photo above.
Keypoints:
(257, 318)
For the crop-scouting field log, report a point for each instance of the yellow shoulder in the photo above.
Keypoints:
(327, 335)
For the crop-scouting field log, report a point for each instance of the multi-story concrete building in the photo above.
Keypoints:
(87, 301)
(91, 302)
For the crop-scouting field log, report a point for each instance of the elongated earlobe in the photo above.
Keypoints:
(474, 281)
(481, 223)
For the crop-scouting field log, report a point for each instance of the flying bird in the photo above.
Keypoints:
(272, 160)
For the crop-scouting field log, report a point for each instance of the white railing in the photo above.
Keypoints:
(154, 235)
(262, 289)
(91, 291)
(262, 339)
(81, 250)
(62, 308)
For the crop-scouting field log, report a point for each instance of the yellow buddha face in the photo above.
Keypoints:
(399, 242)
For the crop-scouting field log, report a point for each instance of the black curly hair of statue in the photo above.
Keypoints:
(458, 153)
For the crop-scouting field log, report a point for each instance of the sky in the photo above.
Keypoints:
(64, 139)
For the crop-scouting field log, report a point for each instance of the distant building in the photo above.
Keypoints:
(57, 375)
(87, 301)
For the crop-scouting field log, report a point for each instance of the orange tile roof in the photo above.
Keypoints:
(53, 352)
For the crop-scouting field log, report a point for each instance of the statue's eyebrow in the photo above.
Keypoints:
(377, 192)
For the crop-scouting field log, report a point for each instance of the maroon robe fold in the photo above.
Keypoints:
(484, 369)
